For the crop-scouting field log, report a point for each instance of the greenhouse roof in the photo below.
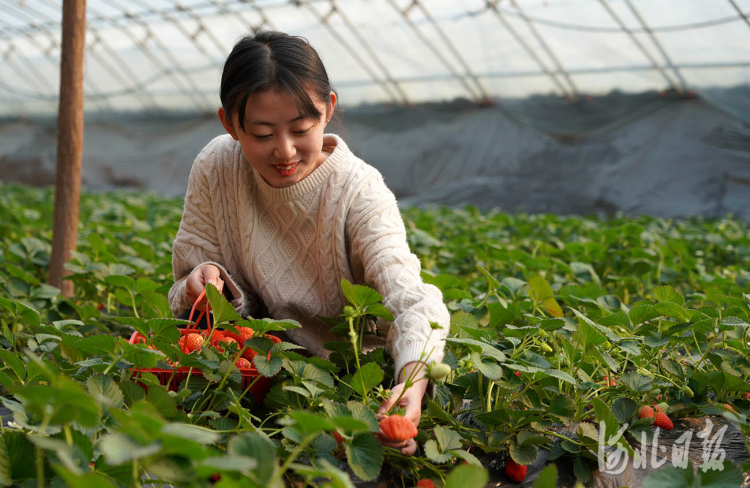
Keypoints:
(167, 55)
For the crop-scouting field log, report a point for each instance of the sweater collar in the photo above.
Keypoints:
(335, 160)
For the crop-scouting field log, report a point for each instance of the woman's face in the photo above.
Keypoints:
(279, 143)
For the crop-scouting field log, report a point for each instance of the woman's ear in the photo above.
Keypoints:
(227, 123)
(330, 107)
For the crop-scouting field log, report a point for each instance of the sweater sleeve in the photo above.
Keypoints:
(197, 240)
(378, 242)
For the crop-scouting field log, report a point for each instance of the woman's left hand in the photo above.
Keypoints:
(411, 400)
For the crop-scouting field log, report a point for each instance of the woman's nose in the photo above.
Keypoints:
(284, 149)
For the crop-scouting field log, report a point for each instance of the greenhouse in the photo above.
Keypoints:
(518, 253)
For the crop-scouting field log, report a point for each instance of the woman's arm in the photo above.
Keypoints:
(196, 249)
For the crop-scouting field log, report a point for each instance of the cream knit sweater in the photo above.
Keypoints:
(283, 251)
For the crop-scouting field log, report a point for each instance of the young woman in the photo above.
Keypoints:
(277, 212)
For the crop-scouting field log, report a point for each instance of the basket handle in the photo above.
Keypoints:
(192, 311)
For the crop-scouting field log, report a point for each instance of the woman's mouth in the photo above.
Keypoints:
(286, 169)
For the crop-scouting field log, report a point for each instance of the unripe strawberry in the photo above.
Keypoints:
(645, 411)
(662, 421)
(439, 371)
(687, 391)
(193, 342)
(545, 347)
(425, 483)
(515, 471)
(398, 428)
(242, 363)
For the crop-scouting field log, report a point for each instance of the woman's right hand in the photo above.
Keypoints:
(196, 282)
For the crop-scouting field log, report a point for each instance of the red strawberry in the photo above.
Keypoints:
(662, 421)
(747, 395)
(242, 363)
(425, 483)
(515, 471)
(398, 428)
(338, 437)
(730, 407)
(517, 373)
(646, 411)
(245, 334)
(215, 337)
(193, 342)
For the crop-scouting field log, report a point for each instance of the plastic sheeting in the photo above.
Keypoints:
(164, 55)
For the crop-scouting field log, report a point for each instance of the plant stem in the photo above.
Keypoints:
(291, 459)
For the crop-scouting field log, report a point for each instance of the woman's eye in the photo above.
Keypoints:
(300, 132)
(262, 137)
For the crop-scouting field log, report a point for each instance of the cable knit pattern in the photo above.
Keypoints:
(283, 251)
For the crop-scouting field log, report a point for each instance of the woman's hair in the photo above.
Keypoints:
(271, 59)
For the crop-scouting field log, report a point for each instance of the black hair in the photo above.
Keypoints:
(271, 59)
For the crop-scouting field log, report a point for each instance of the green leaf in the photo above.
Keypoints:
(623, 409)
(562, 406)
(522, 454)
(266, 367)
(734, 322)
(669, 309)
(98, 344)
(467, 476)
(547, 478)
(562, 375)
(253, 445)
(605, 416)
(28, 313)
(361, 412)
(121, 281)
(6, 477)
(192, 433)
(725, 475)
(358, 295)
(379, 310)
(18, 451)
(434, 454)
(643, 313)
(367, 377)
(16, 365)
(671, 476)
(462, 319)
(466, 456)
(668, 294)
(159, 398)
(119, 448)
(448, 439)
(105, 392)
(365, 455)
(581, 469)
(309, 423)
(144, 285)
(223, 311)
(636, 382)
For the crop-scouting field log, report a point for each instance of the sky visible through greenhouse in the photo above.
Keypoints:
(167, 55)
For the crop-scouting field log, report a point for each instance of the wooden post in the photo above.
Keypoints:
(69, 142)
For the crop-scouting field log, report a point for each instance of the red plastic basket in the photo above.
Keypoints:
(260, 383)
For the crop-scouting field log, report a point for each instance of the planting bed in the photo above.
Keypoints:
(561, 329)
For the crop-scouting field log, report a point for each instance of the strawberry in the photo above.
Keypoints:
(425, 483)
(662, 421)
(747, 395)
(646, 411)
(193, 342)
(517, 373)
(731, 408)
(338, 438)
(215, 337)
(398, 428)
(242, 363)
(515, 471)
(245, 334)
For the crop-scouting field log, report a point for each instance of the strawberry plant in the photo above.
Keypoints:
(564, 330)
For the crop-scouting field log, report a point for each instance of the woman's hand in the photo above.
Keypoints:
(411, 400)
(196, 282)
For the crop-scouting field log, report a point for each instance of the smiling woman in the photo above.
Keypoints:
(278, 213)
